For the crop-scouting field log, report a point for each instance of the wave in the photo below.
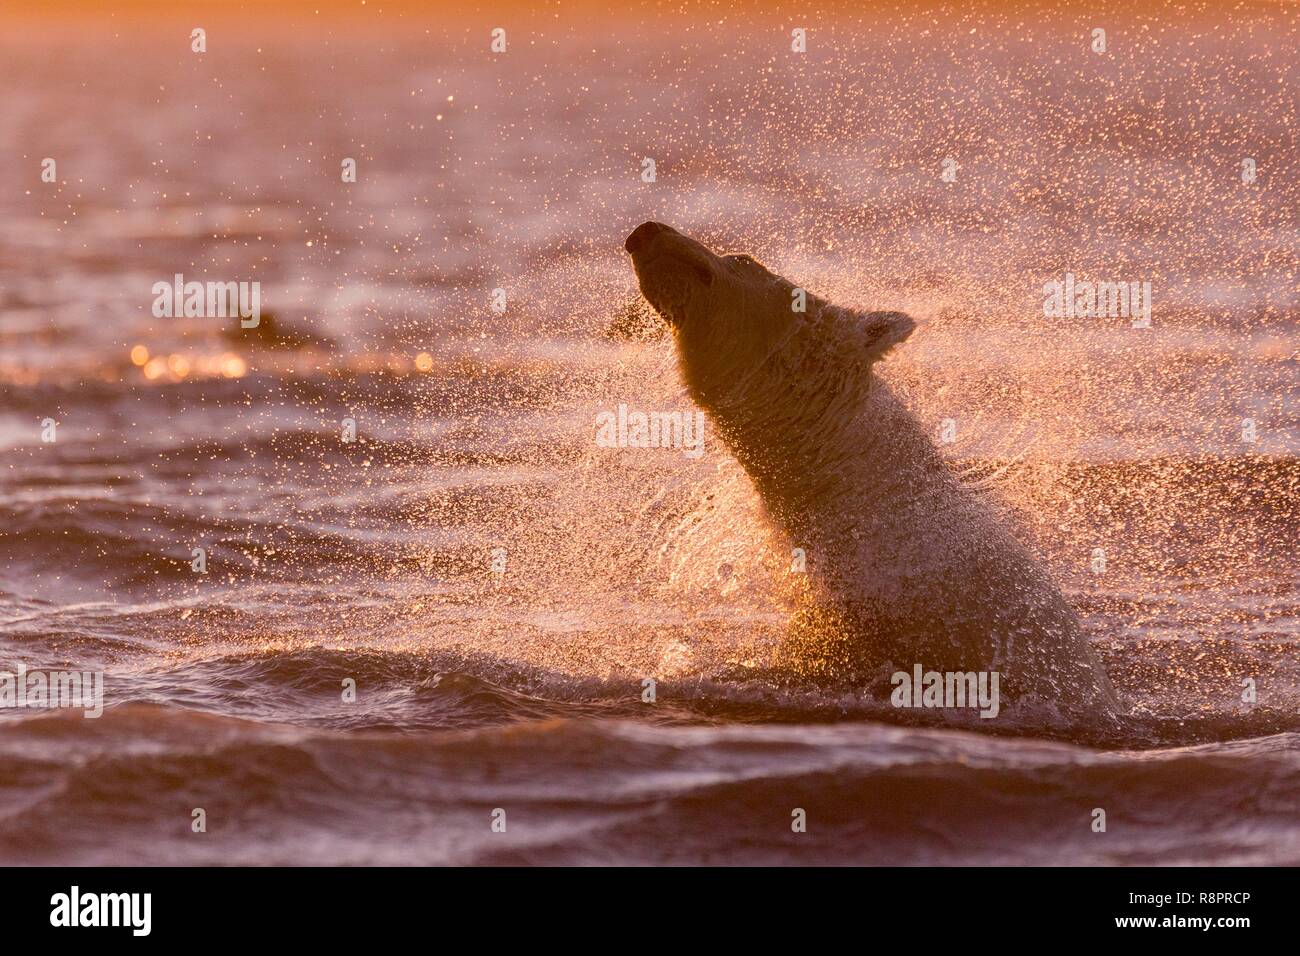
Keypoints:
(452, 684)
(124, 789)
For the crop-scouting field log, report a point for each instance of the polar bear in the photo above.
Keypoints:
(907, 566)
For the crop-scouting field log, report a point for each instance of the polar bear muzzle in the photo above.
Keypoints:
(674, 270)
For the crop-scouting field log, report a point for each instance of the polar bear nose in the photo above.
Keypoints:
(642, 235)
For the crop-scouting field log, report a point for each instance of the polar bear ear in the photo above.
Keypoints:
(881, 331)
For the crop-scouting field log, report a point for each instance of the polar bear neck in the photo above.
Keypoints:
(812, 423)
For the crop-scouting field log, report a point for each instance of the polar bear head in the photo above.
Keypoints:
(734, 319)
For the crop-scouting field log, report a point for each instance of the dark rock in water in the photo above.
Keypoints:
(636, 322)
(272, 333)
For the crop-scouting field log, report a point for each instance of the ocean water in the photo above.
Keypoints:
(497, 587)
